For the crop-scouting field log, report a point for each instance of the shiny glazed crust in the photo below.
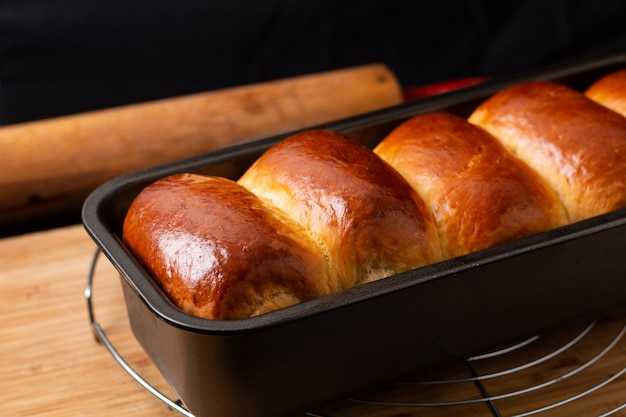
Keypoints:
(610, 91)
(368, 219)
(480, 194)
(575, 144)
(218, 252)
(315, 214)
(318, 212)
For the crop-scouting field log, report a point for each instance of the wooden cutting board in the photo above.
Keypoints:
(51, 364)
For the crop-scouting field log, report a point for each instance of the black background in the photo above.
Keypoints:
(67, 56)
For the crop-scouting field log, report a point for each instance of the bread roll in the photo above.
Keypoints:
(369, 220)
(575, 144)
(610, 91)
(480, 194)
(218, 252)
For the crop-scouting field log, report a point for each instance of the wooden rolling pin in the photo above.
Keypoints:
(50, 166)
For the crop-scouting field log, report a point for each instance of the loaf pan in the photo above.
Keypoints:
(297, 358)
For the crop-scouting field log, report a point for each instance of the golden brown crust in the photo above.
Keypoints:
(610, 91)
(318, 212)
(480, 194)
(370, 220)
(575, 144)
(218, 252)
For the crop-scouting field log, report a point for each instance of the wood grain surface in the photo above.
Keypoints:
(51, 364)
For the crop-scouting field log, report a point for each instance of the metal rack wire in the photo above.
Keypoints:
(577, 370)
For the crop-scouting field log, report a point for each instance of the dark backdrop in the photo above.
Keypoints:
(67, 56)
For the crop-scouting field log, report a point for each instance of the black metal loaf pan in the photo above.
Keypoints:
(291, 360)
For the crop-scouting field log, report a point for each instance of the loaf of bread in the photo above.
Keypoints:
(576, 145)
(315, 214)
(480, 194)
(610, 91)
(318, 212)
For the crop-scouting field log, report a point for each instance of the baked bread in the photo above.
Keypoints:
(219, 252)
(480, 194)
(610, 91)
(366, 217)
(318, 212)
(315, 214)
(576, 145)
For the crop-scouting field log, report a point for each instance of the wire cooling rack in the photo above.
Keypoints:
(578, 370)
